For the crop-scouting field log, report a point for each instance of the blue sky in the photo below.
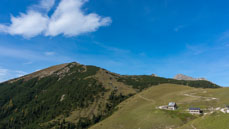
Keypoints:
(164, 37)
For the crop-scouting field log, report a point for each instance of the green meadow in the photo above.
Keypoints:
(141, 112)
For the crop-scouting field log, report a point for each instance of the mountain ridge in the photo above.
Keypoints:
(72, 95)
(53, 70)
(185, 77)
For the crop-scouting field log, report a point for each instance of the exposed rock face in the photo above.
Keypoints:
(184, 77)
(154, 75)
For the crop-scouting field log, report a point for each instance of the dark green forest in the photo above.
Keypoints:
(144, 81)
(28, 103)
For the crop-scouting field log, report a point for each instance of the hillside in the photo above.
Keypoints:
(72, 96)
(141, 111)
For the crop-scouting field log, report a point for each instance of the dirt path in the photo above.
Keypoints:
(150, 100)
(190, 95)
(193, 126)
(206, 98)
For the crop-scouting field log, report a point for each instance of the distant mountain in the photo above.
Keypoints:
(71, 95)
(184, 77)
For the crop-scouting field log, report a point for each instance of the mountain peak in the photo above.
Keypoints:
(185, 77)
(57, 69)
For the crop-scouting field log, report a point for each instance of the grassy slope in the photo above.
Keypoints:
(214, 121)
(139, 111)
(217, 120)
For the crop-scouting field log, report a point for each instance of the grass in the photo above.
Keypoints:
(214, 121)
(140, 110)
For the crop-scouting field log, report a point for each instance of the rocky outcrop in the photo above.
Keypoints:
(184, 77)
(154, 75)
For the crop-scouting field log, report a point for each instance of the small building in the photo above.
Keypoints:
(195, 111)
(172, 106)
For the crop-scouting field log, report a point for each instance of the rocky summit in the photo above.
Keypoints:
(185, 77)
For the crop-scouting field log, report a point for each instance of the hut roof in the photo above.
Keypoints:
(172, 104)
(194, 108)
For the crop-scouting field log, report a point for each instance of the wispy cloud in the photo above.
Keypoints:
(46, 4)
(6, 74)
(68, 19)
(20, 73)
(3, 72)
(31, 56)
(50, 53)
(196, 49)
(112, 49)
(224, 39)
(18, 53)
(179, 27)
(28, 63)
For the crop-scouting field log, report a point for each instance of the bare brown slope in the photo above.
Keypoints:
(43, 73)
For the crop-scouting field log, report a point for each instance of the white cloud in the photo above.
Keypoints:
(68, 19)
(28, 25)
